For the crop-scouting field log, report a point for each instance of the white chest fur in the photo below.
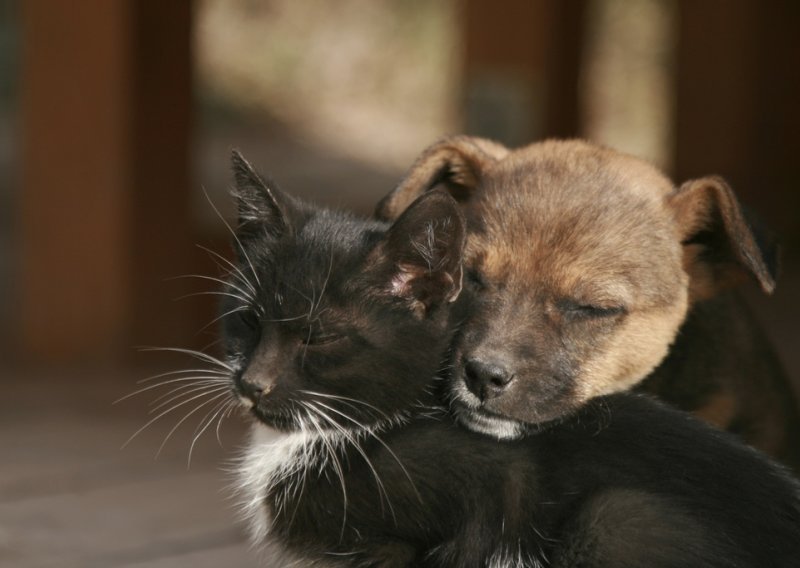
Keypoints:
(270, 457)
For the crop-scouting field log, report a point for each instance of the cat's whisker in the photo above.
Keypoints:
(188, 414)
(205, 422)
(347, 399)
(188, 396)
(159, 416)
(305, 348)
(298, 488)
(236, 270)
(194, 380)
(232, 405)
(235, 236)
(354, 442)
(319, 313)
(295, 318)
(434, 412)
(180, 372)
(337, 466)
(225, 410)
(211, 344)
(313, 299)
(345, 416)
(242, 299)
(308, 319)
(185, 390)
(355, 408)
(226, 314)
(245, 293)
(371, 432)
(207, 419)
(193, 353)
(324, 284)
(302, 295)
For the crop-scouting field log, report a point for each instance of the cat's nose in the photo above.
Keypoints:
(254, 384)
(250, 389)
(486, 379)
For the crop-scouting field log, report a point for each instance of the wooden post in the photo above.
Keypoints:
(76, 169)
(161, 194)
(737, 111)
(522, 60)
(106, 102)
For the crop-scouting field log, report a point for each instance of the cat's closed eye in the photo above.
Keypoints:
(313, 339)
(249, 319)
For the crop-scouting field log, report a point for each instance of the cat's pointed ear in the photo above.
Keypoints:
(422, 252)
(261, 205)
(457, 164)
(721, 241)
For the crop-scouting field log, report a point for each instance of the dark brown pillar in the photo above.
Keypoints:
(737, 109)
(522, 62)
(76, 168)
(104, 205)
(161, 192)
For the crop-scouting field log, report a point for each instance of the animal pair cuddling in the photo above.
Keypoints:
(445, 386)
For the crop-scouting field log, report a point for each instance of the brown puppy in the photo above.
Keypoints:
(589, 264)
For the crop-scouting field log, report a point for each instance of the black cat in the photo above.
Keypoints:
(337, 338)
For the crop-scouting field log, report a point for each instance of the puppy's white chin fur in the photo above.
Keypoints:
(493, 426)
(469, 414)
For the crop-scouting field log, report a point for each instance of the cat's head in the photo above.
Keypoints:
(333, 321)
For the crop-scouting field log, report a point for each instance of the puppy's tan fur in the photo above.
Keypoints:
(588, 264)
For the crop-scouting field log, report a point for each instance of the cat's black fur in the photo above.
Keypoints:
(352, 464)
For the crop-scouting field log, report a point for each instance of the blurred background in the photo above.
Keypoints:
(117, 118)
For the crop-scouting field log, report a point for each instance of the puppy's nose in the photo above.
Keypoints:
(486, 379)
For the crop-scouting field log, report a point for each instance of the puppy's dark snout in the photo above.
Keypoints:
(486, 379)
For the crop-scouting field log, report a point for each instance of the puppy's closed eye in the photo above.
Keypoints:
(577, 310)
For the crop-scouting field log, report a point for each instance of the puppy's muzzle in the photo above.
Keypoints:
(487, 379)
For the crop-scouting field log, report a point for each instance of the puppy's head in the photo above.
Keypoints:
(584, 262)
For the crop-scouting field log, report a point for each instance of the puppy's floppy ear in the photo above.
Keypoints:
(420, 258)
(457, 163)
(263, 208)
(721, 242)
